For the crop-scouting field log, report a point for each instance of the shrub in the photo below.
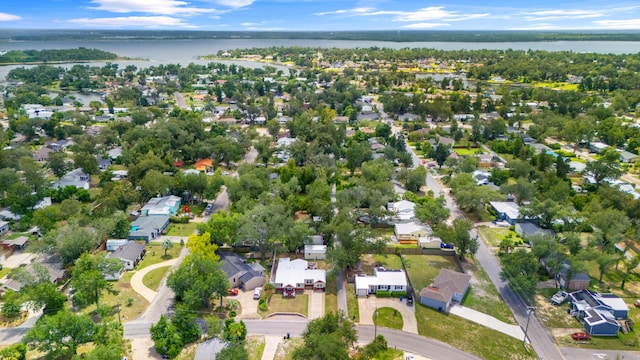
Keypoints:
(383, 293)
(179, 219)
(398, 293)
(232, 313)
(129, 302)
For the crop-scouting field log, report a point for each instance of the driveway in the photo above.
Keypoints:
(316, 305)
(138, 286)
(483, 319)
(17, 259)
(367, 307)
(248, 304)
(209, 349)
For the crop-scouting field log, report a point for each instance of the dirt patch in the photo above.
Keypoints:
(477, 284)
(554, 316)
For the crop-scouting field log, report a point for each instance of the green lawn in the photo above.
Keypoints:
(467, 152)
(181, 229)
(4, 272)
(389, 261)
(125, 292)
(423, 269)
(331, 294)
(352, 302)
(153, 278)
(388, 317)
(469, 336)
(155, 254)
(255, 346)
(483, 296)
(279, 304)
(493, 236)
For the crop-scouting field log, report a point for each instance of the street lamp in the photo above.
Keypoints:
(375, 324)
(530, 309)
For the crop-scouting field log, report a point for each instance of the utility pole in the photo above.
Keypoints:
(530, 309)
(119, 309)
(375, 324)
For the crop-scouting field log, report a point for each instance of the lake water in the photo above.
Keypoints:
(187, 51)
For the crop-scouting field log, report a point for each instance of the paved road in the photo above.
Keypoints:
(588, 354)
(417, 344)
(540, 339)
(180, 100)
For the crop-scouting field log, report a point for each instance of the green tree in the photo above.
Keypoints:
(14, 352)
(432, 210)
(223, 227)
(520, 270)
(87, 162)
(630, 266)
(88, 277)
(441, 153)
(155, 183)
(11, 303)
(236, 351)
(264, 225)
(234, 331)
(413, 179)
(201, 244)
(329, 337)
(196, 280)
(166, 338)
(458, 235)
(357, 153)
(44, 294)
(167, 244)
(61, 333)
(352, 244)
(606, 167)
(57, 163)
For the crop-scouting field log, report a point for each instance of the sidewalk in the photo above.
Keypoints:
(270, 347)
(483, 319)
(136, 280)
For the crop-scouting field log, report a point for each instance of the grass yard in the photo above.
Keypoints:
(155, 254)
(279, 304)
(4, 272)
(286, 347)
(331, 294)
(352, 302)
(423, 269)
(123, 286)
(553, 317)
(385, 233)
(493, 236)
(388, 317)
(153, 278)
(255, 346)
(182, 229)
(483, 296)
(469, 336)
(188, 353)
(468, 152)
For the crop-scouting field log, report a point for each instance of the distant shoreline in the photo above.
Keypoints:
(69, 61)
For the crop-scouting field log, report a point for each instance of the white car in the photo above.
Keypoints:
(559, 297)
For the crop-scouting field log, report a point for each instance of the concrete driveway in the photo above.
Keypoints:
(18, 258)
(367, 307)
(316, 305)
(483, 319)
(248, 304)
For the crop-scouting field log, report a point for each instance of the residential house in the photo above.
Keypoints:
(286, 142)
(403, 209)
(577, 281)
(114, 244)
(597, 147)
(528, 229)
(119, 175)
(598, 312)
(508, 211)
(241, 274)
(18, 243)
(387, 280)
(4, 227)
(165, 205)
(7, 214)
(114, 153)
(103, 163)
(60, 145)
(204, 165)
(148, 227)
(130, 254)
(45, 202)
(42, 154)
(315, 252)
(51, 263)
(76, 178)
(448, 286)
(485, 160)
(297, 275)
(410, 233)
(627, 157)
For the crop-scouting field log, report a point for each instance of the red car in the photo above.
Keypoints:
(580, 336)
(233, 291)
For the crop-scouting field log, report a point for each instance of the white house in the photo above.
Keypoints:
(286, 142)
(297, 275)
(315, 252)
(76, 178)
(4, 227)
(166, 205)
(130, 254)
(506, 210)
(403, 209)
(394, 281)
(410, 233)
(113, 244)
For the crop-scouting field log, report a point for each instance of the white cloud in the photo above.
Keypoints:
(420, 26)
(562, 14)
(9, 17)
(233, 3)
(540, 26)
(420, 15)
(129, 21)
(162, 7)
(629, 24)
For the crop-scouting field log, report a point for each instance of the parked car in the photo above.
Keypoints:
(233, 291)
(409, 299)
(256, 293)
(559, 297)
(446, 246)
(207, 210)
(580, 336)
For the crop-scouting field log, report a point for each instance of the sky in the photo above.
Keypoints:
(320, 15)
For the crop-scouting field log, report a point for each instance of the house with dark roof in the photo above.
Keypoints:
(600, 323)
(51, 263)
(4, 227)
(18, 243)
(598, 312)
(448, 286)
(508, 211)
(241, 274)
(148, 227)
(130, 254)
(528, 229)
(42, 154)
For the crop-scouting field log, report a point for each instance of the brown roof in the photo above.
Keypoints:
(20, 241)
(445, 285)
(441, 294)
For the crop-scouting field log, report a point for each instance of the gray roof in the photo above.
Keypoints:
(529, 229)
(146, 225)
(131, 251)
(233, 264)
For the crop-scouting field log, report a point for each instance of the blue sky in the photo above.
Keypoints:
(323, 15)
